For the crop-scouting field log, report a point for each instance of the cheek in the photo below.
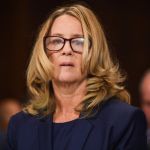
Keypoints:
(79, 62)
(49, 53)
(52, 56)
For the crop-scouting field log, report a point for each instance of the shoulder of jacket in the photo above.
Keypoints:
(115, 111)
(118, 117)
(22, 118)
(118, 107)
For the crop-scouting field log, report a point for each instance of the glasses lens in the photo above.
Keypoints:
(54, 43)
(77, 44)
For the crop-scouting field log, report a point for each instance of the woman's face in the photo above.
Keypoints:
(67, 63)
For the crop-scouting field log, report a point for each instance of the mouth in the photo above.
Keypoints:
(67, 64)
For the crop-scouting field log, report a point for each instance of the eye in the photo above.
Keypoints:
(56, 41)
(78, 42)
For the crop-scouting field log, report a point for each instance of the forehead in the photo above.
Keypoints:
(66, 25)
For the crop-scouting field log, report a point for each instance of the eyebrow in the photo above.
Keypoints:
(72, 35)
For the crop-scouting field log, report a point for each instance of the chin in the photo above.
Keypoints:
(67, 79)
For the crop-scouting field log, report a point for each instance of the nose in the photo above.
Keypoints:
(67, 50)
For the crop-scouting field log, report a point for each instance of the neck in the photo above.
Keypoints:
(67, 97)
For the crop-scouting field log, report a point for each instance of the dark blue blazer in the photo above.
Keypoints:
(115, 126)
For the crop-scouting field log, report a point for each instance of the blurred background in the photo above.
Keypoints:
(126, 25)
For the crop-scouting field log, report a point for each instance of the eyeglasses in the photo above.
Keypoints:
(55, 43)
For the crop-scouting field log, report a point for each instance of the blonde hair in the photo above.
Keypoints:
(104, 79)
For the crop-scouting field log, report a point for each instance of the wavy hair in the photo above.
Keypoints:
(104, 79)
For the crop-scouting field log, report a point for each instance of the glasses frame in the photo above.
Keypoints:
(65, 39)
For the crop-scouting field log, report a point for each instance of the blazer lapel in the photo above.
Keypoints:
(45, 133)
(80, 133)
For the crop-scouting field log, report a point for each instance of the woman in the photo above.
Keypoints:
(77, 98)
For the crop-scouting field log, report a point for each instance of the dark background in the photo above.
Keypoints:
(126, 24)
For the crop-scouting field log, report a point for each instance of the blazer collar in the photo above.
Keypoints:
(80, 132)
(45, 133)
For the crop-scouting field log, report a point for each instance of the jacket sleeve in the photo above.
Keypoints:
(10, 139)
(134, 136)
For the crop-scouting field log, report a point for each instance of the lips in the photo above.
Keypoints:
(69, 64)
